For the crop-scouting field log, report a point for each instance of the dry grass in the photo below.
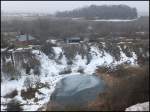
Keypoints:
(127, 88)
(14, 105)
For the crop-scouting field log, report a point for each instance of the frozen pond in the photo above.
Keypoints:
(77, 90)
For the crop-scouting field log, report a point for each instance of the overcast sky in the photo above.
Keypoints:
(53, 6)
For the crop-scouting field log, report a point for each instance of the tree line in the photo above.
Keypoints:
(46, 28)
(101, 12)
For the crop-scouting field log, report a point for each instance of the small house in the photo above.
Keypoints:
(73, 40)
(25, 39)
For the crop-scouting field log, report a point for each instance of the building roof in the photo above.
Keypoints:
(24, 37)
(73, 38)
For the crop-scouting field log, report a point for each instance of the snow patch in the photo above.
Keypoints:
(139, 107)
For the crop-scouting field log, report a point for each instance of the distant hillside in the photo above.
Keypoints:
(101, 12)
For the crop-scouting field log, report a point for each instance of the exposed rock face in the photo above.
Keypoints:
(17, 63)
(81, 55)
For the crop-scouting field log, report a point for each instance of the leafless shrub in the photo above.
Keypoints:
(14, 105)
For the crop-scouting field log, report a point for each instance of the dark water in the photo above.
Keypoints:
(77, 90)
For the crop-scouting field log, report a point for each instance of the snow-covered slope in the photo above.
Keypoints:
(52, 70)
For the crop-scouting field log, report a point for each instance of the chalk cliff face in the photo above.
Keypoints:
(44, 67)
